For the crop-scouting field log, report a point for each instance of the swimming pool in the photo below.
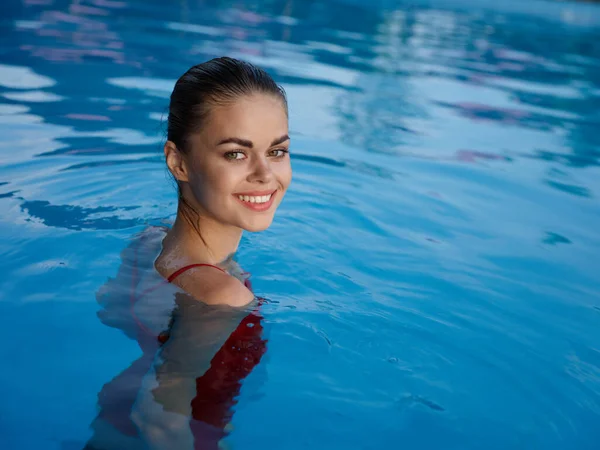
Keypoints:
(433, 274)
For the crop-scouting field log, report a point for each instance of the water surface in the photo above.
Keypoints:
(433, 273)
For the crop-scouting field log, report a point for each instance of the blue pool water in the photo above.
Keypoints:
(433, 275)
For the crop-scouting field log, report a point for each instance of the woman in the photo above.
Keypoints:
(228, 151)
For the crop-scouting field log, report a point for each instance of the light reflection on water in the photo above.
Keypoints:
(433, 273)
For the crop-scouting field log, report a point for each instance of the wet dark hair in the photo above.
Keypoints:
(218, 82)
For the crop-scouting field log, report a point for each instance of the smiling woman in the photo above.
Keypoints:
(228, 151)
(227, 148)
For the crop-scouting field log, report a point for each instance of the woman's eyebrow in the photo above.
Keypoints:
(249, 144)
(280, 140)
(234, 140)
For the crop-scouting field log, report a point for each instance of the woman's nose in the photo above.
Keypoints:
(261, 171)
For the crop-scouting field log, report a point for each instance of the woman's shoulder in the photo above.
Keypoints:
(117, 294)
(214, 286)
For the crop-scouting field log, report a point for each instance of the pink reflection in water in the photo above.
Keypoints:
(90, 117)
(78, 32)
(474, 155)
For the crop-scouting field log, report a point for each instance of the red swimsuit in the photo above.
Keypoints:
(216, 390)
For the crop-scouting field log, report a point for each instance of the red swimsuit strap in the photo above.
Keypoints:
(134, 297)
(191, 266)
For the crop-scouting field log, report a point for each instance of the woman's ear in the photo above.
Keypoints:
(175, 162)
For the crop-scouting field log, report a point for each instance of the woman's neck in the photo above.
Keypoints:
(203, 239)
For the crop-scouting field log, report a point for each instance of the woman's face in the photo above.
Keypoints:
(238, 166)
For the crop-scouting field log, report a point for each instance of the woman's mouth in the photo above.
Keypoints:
(256, 201)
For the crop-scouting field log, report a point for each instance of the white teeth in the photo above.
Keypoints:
(255, 199)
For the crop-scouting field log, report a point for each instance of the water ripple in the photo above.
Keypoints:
(433, 271)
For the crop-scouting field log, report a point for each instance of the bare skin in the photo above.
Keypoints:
(243, 148)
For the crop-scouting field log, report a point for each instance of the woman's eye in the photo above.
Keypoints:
(234, 155)
(278, 152)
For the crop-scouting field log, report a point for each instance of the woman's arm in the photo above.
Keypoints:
(197, 374)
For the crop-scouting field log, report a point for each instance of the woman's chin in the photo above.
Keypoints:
(258, 224)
